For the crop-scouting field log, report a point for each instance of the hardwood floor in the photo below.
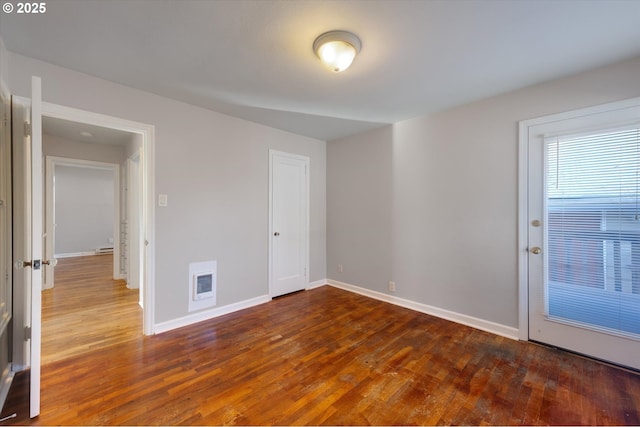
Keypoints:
(327, 356)
(87, 309)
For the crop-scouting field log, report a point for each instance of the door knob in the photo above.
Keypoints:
(276, 234)
(535, 250)
(19, 265)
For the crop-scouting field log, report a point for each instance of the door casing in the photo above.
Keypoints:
(50, 163)
(6, 243)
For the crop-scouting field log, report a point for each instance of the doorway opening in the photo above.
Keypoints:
(129, 145)
(88, 218)
(82, 208)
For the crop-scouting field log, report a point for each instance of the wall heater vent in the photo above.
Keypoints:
(202, 284)
(105, 250)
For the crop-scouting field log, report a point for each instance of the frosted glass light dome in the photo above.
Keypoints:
(337, 49)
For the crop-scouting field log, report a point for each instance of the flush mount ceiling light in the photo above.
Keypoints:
(86, 134)
(337, 49)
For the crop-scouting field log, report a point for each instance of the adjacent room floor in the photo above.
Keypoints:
(324, 356)
(87, 310)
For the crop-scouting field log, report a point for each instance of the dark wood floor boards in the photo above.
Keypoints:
(324, 356)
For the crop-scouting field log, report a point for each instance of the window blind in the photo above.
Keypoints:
(593, 230)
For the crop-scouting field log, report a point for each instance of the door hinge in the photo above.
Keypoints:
(27, 129)
(27, 333)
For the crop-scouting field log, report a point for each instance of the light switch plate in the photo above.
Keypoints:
(162, 200)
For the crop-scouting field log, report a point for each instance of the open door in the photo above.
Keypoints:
(28, 238)
(36, 244)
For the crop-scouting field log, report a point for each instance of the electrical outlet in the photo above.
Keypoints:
(340, 269)
(392, 286)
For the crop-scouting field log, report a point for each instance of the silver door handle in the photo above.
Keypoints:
(276, 234)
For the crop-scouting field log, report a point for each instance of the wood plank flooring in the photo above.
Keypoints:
(328, 357)
(87, 309)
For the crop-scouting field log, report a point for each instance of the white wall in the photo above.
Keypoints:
(84, 209)
(359, 211)
(431, 202)
(214, 169)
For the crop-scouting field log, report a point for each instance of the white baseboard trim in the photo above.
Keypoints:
(75, 254)
(474, 322)
(201, 316)
(316, 284)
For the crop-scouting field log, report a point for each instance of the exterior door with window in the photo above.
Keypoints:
(583, 231)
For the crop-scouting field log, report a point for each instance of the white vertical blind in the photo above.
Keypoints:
(593, 230)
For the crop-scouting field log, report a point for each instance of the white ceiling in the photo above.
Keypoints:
(73, 131)
(253, 59)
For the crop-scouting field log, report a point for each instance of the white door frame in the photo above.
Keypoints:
(147, 162)
(50, 164)
(132, 214)
(6, 239)
(306, 159)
